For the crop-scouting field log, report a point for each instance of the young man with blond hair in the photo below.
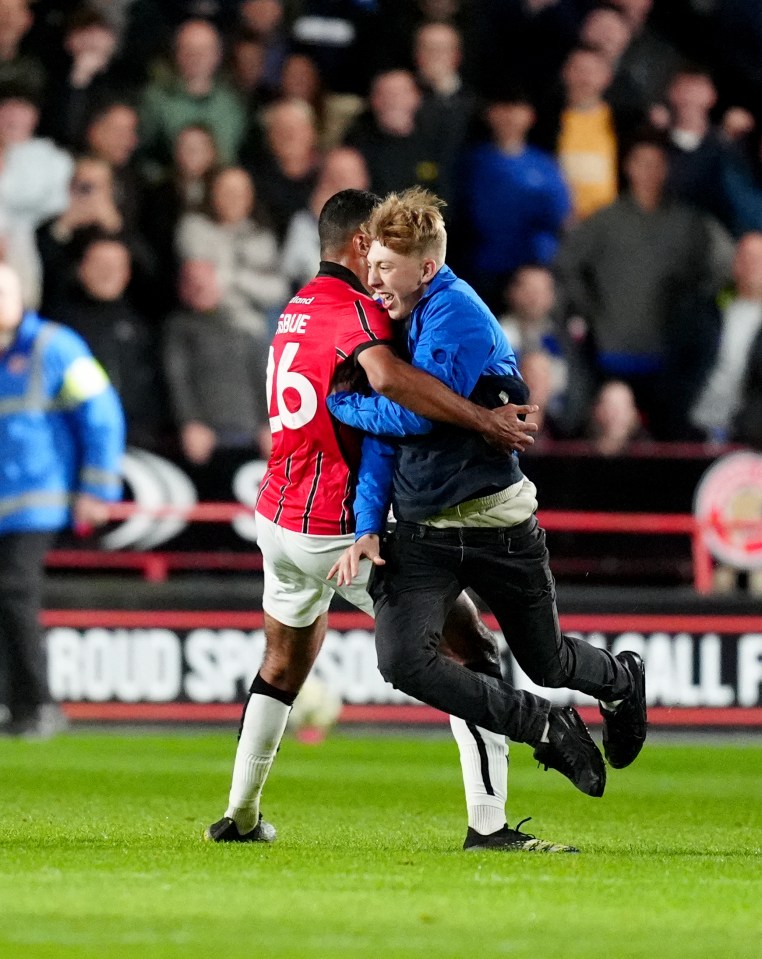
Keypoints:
(465, 518)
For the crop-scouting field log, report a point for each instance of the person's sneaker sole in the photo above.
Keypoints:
(625, 728)
(572, 752)
(511, 840)
(225, 830)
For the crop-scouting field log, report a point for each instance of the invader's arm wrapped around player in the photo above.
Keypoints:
(374, 486)
(371, 506)
(377, 414)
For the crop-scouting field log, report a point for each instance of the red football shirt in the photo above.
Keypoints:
(310, 480)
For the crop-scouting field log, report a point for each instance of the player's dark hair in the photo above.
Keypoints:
(342, 215)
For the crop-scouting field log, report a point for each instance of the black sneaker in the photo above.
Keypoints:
(624, 728)
(572, 752)
(509, 840)
(226, 831)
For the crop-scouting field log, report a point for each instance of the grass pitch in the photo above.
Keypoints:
(100, 855)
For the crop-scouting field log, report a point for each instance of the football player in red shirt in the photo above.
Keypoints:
(332, 329)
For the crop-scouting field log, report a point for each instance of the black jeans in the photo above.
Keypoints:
(508, 569)
(22, 661)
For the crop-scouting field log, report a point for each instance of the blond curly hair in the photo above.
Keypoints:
(410, 223)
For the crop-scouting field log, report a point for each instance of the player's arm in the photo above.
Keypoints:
(411, 397)
(426, 394)
(419, 392)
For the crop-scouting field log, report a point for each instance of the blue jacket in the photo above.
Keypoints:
(61, 427)
(455, 337)
(517, 205)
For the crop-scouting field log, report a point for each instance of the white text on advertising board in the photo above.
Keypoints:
(217, 665)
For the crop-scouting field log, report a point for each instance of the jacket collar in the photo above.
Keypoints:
(444, 277)
(25, 332)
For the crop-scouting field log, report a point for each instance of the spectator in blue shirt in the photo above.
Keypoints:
(514, 200)
(465, 518)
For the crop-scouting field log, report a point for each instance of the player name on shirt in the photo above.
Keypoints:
(292, 322)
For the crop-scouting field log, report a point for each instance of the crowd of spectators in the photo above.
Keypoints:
(162, 165)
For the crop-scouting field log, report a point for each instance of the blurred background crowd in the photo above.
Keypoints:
(162, 165)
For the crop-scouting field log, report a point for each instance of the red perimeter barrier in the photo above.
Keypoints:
(156, 565)
(387, 713)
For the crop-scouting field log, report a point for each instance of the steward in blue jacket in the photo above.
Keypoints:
(61, 427)
(61, 444)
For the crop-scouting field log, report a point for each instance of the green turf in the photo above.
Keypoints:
(100, 855)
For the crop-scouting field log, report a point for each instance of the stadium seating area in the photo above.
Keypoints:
(162, 165)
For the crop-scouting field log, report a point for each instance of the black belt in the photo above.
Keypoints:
(469, 535)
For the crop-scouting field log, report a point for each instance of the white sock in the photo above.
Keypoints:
(263, 727)
(545, 738)
(484, 762)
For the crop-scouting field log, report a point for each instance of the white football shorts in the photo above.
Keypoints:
(296, 566)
